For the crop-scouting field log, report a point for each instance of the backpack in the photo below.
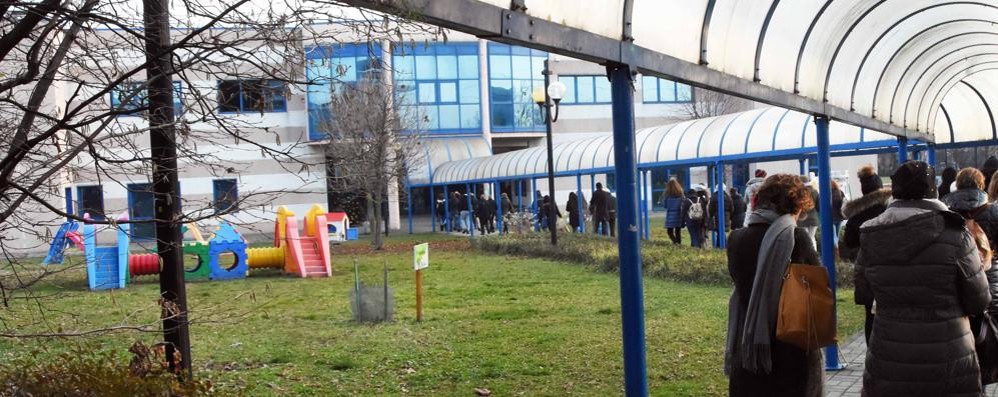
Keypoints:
(695, 212)
(980, 238)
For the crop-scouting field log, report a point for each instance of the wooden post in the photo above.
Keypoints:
(419, 295)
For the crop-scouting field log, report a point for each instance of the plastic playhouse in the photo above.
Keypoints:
(304, 253)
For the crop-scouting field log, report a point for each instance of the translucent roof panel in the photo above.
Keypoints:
(881, 65)
(437, 151)
(757, 133)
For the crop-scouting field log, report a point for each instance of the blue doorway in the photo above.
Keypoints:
(141, 208)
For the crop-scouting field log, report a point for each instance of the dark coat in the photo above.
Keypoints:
(793, 369)
(507, 205)
(971, 203)
(599, 206)
(924, 284)
(572, 207)
(837, 198)
(858, 211)
(674, 211)
(729, 210)
(739, 211)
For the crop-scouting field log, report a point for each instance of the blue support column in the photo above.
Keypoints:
(533, 204)
(930, 154)
(582, 217)
(519, 194)
(69, 202)
(827, 230)
(803, 165)
(687, 179)
(711, 177)
(719, 191)
(471, 211)
(497, 194)
(447, 217)
(433, 211)
(902, 149)
(628, 244)
(408, 199)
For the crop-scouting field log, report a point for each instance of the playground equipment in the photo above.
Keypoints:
(227, 240)
(338, 224)
(106, 265)
(68, 234)
(305, 255)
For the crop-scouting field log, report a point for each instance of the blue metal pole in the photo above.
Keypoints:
(69, 202)
(582, 217)
(721, 238)
(497, 194)
(930, 152)
(628, 244)
(827, 230)
(519, 194)
(433, 211)
(471, 212)
(533, 204)
(803, 165)
(902, 149)
(408, 198)
(447, 210)
(687, 179)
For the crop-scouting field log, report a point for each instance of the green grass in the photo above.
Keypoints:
(513, 325)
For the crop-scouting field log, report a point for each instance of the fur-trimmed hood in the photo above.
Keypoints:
(879, 197)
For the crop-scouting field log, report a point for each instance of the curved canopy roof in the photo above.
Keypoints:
(883, 65)
(437, 151)
(755, 134)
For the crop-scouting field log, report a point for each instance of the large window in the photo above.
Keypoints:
(438, 84)
(513, 74)
(582, 90)
(226, 195)
(256, 95)
(90, 201)
(656, 90)
(132, 96)
(328, 66)
(141, 207)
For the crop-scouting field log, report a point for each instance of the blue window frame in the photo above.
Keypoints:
(438, 84)
(330, 65)
(226, 195)
(90, 200)
(141, 208)
(586, 90)
(252, 95)
(656, 90)
(513, 74)
(131, 96)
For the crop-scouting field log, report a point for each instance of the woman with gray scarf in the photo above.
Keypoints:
(756, 363)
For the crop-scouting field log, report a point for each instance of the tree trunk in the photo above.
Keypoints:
(376, 224)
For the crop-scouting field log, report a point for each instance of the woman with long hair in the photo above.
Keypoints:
(993, 188)
(673, 199)
(948, 177)
(757, 363)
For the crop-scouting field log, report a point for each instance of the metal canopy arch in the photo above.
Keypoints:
(744, 136)
(439, 151)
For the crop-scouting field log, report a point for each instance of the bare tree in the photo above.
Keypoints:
(373, 143)
(699, 103)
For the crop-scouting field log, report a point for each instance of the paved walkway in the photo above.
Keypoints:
(849, 381)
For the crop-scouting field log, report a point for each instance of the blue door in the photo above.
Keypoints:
(140, 207)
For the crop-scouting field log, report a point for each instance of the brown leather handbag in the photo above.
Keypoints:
(807, 308)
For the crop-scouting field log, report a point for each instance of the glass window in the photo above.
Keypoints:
(586, 91)
(90, 201)
(141, 207)
(499, 67)
(602, 86)
(446, 77)
(226, 195)
(656, 90)
(569, 82)
(256, 95)
(326, 68)
(132, 98)
(502, 115)
(513, 74)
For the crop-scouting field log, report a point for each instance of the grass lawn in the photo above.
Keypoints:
(515, 326)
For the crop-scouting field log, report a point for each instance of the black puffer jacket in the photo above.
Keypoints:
(858, 211)
(971, 203)
(924, 283)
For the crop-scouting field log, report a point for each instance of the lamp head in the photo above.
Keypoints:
(538, 95)
(557, 90)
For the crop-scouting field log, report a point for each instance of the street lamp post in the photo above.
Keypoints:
(544, 97)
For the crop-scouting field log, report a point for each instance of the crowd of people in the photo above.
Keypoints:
(924, 271)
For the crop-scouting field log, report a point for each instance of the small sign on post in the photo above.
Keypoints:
(420, 261)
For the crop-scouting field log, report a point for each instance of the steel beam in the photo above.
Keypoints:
(827, 229)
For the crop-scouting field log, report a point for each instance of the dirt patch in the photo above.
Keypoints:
(365, 247)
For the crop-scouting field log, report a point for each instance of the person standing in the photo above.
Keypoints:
(572, 207)
(673, 200)
(758, 364)
(948, 177)
(921, 267)
(740, 209)
(457, 208)
(546, 221)
(989, 168)
(692, 220)
(482, 213)
(492, 211)
(729, 209)
(751, 187)
(872, 204)
(993, 188)
(838, 197)
(440, 211)
(599, 207)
